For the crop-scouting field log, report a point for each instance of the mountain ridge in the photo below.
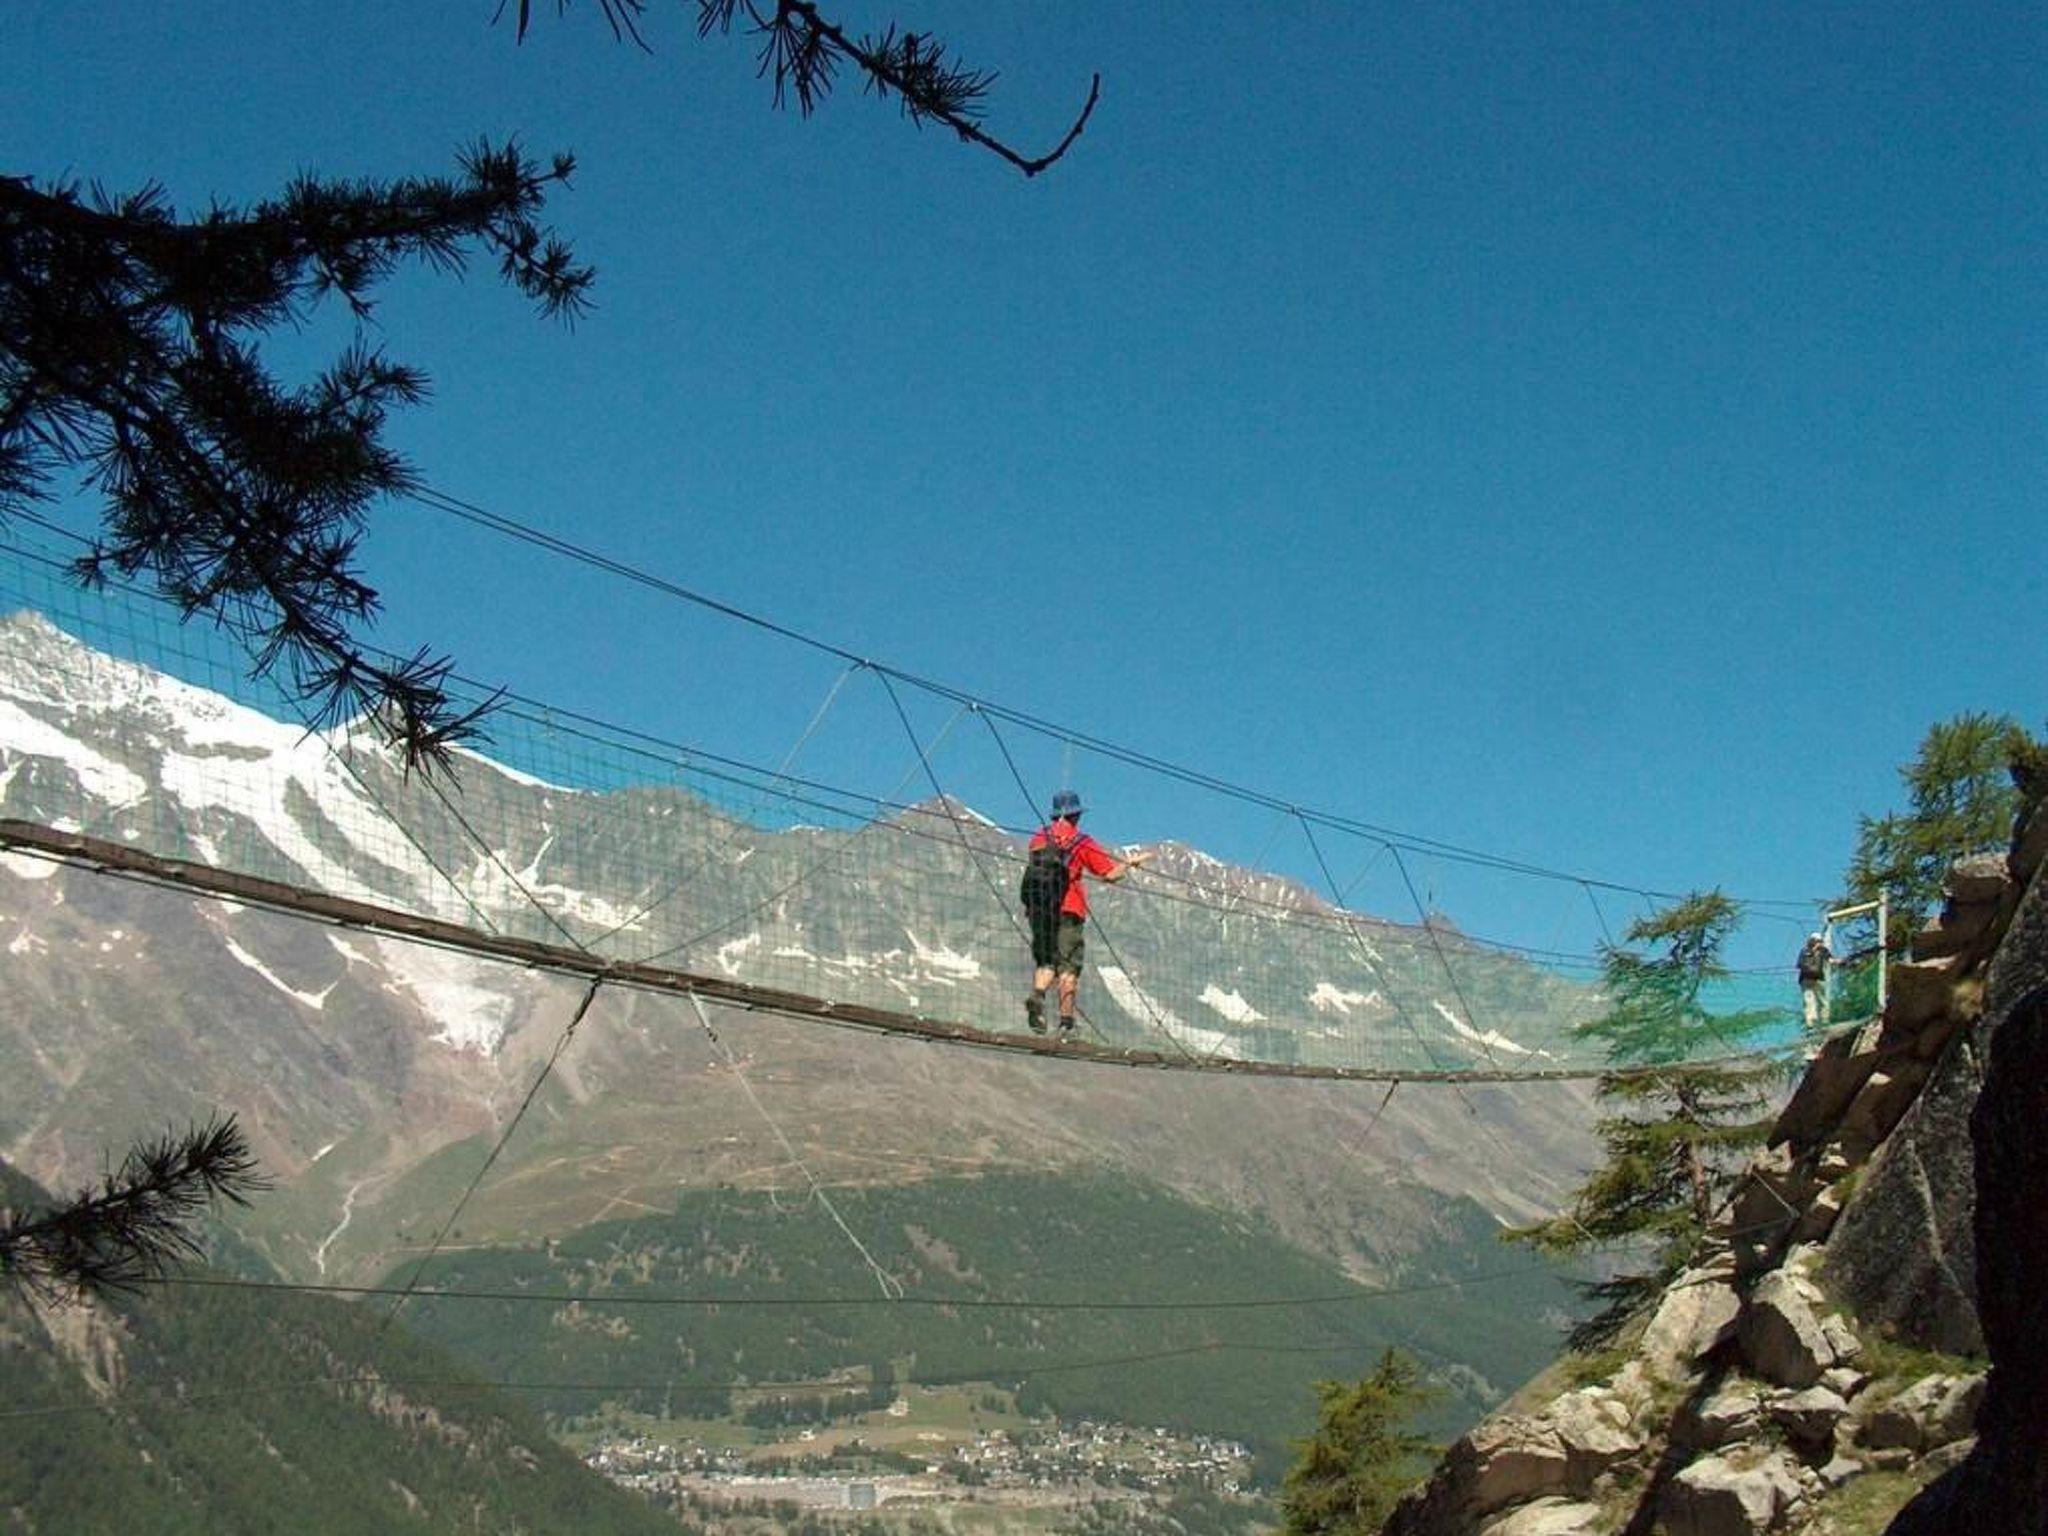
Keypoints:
(375, 1077)
(1220, 959)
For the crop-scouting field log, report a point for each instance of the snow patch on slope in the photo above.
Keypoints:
(489, 884)
(732, 951)
(101, 777)
(472, 1016)
(26, 866)
(947, 961)
(212, 753)
(514, 774)
(1153, 1014)
(1493, 1039)
(243, 957)
(1331, 999)
(1230, 1004)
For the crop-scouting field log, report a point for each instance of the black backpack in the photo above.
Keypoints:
(1046, 876)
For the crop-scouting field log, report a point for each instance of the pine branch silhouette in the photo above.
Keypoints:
(802, 52)
(129, 355)
(131, 364)
(137, 1223)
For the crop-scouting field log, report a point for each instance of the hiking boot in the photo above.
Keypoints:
(1034, 1013)
(1066, 1029)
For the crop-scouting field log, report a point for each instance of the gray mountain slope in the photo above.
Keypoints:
(368, 1070)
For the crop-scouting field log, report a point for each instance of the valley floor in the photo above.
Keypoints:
(933, 1461)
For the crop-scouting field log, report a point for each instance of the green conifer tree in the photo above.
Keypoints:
(1963, 790)
(1362, 1456)
(1961, 796)
(1678, 1137)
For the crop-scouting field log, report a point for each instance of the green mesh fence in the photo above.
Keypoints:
(120, 721)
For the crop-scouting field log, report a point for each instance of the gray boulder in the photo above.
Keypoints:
(1730, 1413)
(1548, 1517)
(1781, 1336)
(1767, 1205)
(1953, 1416)
(1978, 879)
(1839, 1470)
(1697, 1313)
(1820, 1217)
(1593, 1426)
(1944, 1457)
(1881, 1103)
(1515, 1458)
(1933, 1412)
(1716, 1496)
(1832, 1078)
(1500, 1464)
(1889, 1426)
(1844, 1381)
(1841, 1339)
(1809, 1418)
(1920, 990)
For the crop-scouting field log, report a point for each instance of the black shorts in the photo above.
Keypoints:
(1057, 943)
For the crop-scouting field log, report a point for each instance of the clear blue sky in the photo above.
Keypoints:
(1605, 434)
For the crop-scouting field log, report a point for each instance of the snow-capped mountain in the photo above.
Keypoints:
(914, 912)
(360, 1063)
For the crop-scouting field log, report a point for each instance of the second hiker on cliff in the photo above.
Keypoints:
(1055, 896)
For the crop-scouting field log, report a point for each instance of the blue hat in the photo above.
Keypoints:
(1066, 803)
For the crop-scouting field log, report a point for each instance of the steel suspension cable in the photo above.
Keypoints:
(781, 775)
(496, 522)
(1436, 943)
(1365, 952)
(411, 1285)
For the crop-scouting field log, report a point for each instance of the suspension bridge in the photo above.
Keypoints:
(138, 745)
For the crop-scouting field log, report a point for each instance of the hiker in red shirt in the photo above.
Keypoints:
(1055, 900)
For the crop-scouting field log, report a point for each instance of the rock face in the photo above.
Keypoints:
(2002, 1486)
(1906, 1187)
(1904, 1256)
(1809, 1418)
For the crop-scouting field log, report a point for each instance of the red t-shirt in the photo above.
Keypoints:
(1084, 856)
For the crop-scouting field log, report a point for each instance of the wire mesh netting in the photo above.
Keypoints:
(122, 721)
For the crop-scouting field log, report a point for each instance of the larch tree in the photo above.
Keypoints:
(802, 52)
(1362, 1457)
(1961, 795)
(131, 362)
(1963, 789)
(1677, 1136)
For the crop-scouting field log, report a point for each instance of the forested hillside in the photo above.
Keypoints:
(185, 1411)
(1201, 1322)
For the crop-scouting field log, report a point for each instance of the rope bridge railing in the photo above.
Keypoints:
(122, 725)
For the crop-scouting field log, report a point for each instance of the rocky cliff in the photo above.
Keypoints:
(1825, 1358)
